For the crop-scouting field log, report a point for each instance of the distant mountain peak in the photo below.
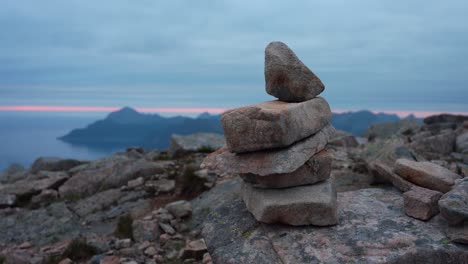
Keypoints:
(125, 115)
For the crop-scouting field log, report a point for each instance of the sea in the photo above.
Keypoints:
(26, 136)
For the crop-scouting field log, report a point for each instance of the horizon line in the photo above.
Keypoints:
(191, 110)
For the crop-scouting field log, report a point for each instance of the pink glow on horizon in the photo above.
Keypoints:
(44, 108)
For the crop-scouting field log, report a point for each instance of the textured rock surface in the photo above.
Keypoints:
(426, 174)
(432, 147)
(268, 162)
(54, 164)
(387, 173)
(110, 173)
(344, 139)
(316, 169)
(286, 77)
(181, 145)
(462, 143)
(454, 204)
(372, 229)
(302, 205)
(273, 124)
(421, 203)
(7, 200)
(389, 129)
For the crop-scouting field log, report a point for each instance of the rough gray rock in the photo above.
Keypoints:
(13, 173)
(7, 200)
(426, 174)
(97, 202)
(387, 173)
(54, 164)
(389, 129)
(372, 229)
(445, 118)
(181, 145)
(28, 188)
(435, 146)
(273, 124)
(344, 139)
(180, 208)
(316, 169)
(110, 173)
(454, 204)
(286, 77)
(302, 205)
(462, 143)
(421, 203)
(268, 162)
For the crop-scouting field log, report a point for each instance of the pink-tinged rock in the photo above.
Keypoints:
(110, 260)
(316, 169)
(426, 174)
(421, 203)
(286, 77)
(454, 204)
(275, 161)
(387, 173)
(297, 206)
(273, 124)
(195, 249)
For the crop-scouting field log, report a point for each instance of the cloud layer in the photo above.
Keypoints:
(408, 55)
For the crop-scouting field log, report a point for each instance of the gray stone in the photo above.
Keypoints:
(7, 200)
(167, 228)
(27, 188)
(372, 229)
(458, 233)
(54, 164)
(426, 174)
(286, 77)
(96, 202)
(462, 143)
(205, 142)
(145, 230)
(421, 203)
(179, 209)
(387, 173)
(45, 197)
(13, 173)
(316, 169)
(303, 205)
(344, 139)
(273, 124)
(435, 146)
(165, 185)
(112, 172)
(275, 161)
(195, 249)
(389, 129)
(454, 204)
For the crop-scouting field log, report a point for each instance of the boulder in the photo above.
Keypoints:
(13, 173)
(275, 161)
(389, 129)
(286, 77)
(444, 118)
(145, 230)
(28, 188)
(386, 172)
(302, 205)
(344, 139)
(432, 147)
(462, 143)
(112, 172)
(273, 124)
(454, 204)
(97, 202)
(199, 142)
(7, 200)
(426, 174)
(45, 197)
(54, 164)
(180, 208)
(372, 229)
(421, 203)
(195, 249)
(316, 169)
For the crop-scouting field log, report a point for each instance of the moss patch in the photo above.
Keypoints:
(79, 250)
(124, 227)
(191, 184)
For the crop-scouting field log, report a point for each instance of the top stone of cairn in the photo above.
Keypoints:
(286, 77)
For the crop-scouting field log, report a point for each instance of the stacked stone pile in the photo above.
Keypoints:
(279, 147)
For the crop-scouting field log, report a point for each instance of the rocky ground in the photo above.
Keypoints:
(144, 206)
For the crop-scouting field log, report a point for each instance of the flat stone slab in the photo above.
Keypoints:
(273, 124)
(426, 174)
(286, 77)
(421, 203)
(317, 169)
(373, 228)
(302, 205)
(275, 161)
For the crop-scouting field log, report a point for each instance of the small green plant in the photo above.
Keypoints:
(205, 149)
(124, 227)
(79, 250)
(162, 156)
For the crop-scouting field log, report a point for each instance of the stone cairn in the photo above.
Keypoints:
(279, 147)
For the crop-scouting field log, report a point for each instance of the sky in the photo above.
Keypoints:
(394, 56)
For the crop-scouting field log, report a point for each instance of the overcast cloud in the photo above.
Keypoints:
(408, 55)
